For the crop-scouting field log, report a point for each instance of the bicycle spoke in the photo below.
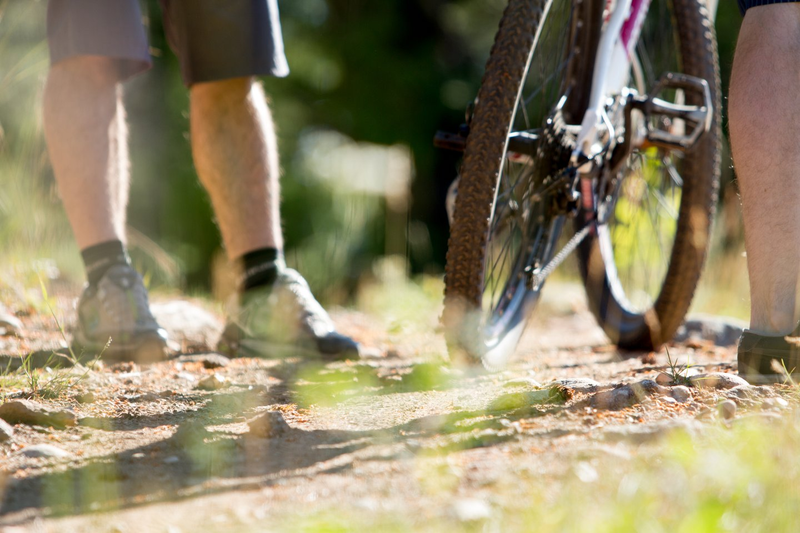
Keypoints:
(672, 172)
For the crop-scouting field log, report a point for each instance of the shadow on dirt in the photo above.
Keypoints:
(201, 457)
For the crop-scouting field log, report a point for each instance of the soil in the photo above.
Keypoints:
(154, 450)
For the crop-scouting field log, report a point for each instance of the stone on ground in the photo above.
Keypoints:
(35, 413)
(579, 384)
(681, 393)
(44, 450)
(6, 431)
(727, 409)
(717, 380)
(270, 424)
(626, 395)
(213, 382)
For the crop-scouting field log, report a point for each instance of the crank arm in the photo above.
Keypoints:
(520, 143)
(450, 141)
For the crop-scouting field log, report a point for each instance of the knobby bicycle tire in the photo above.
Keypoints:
(484, 156)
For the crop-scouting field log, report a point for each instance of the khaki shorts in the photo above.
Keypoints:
(214, 39)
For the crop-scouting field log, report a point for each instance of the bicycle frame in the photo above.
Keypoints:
(611, 68)
(597, 141)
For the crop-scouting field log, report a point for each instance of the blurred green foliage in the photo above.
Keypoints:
(384, 73)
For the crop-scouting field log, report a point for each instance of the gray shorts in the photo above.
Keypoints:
(214, 39)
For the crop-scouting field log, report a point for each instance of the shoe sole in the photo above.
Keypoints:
(261, 349)
(756, 367)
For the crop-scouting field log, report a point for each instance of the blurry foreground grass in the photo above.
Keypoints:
(743, 478)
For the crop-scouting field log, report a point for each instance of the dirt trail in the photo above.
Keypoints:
(395, 432)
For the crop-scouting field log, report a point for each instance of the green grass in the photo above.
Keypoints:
(741, 479)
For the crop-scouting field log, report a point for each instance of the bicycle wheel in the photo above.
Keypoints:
(640, 270)
(537, 79)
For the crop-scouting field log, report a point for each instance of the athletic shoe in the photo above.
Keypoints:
(766, 359)
(114, 320)
(275, 321)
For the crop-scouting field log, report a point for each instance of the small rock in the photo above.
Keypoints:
(34, 413)
(669, 399)
(270, 424)
(727, 409)
(6, 431)
(127, 368)
(764, 391)
(627, 395)
(144, 397)
(85, 397)
(586, 472)
(579, 384)
(511, 427)
(44, 450)
(189, 326)
(717, 380)
(774, 403)
(681, 394)
(470, 510)
(687, 373)
(648, 358)
(741, 392)
(664, 379)
(209, 360)
(213, 382)
(769, 403)
(368, 504)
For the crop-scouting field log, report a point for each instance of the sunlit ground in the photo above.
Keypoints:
(742, 476)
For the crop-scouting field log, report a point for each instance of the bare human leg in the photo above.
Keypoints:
(764, 128)
(86, 136)
(235, 152)
(236, 155)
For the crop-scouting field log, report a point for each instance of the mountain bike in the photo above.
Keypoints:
(600, 113)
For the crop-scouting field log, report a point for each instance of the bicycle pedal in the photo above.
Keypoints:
(686, 123)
